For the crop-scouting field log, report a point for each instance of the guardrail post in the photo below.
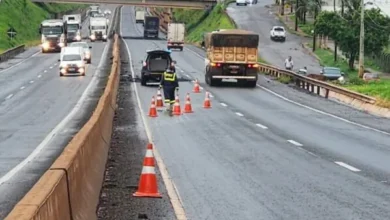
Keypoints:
(326, 93)
(307, 86)
(318, 90)
(312, 88)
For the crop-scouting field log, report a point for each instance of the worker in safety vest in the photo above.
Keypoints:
(169, 83)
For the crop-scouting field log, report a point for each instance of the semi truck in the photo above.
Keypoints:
(93, 9)
(151, 26)
(175, 36)
(53, 35)
(98, 29)
(140, 17)
(73, 25)
(231, 54)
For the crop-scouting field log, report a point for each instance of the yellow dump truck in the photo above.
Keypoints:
(231, 54)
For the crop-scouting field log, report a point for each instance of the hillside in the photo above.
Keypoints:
(199, 21)
(25, 17)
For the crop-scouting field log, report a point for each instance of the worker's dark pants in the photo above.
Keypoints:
(169, 95)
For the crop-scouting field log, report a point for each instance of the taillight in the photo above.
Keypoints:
(253, 65)
(216, 64)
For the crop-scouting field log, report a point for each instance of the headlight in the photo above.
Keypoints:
(93, 37)
(63, 71)
(45, 45)
(78, 37)
(104, 36)
(82, 70)
(61, 44)
(87, 55)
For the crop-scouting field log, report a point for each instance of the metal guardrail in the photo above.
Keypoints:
(314, 85)
(10, 53)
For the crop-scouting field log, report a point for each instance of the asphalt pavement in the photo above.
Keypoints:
(257, 155)
(36, 106)
(259, 19)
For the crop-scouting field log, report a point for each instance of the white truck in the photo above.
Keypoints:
(98, 29)
(53, 35)
(140, 17)
(73, 25)
(94, 9)
(175, 36)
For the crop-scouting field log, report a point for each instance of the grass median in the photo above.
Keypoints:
(379, 89)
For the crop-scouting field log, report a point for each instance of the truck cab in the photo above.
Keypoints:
(231, 54)
(98, 29)
(72, 61)
(151, 26)
(53, 35)
(73, 26)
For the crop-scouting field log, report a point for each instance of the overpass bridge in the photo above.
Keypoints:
(187, 4)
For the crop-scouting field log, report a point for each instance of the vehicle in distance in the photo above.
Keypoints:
(331, 73)
(72, 61)
(86, 48)
(251, 2)
(151, 26)
(107, 12)
(93, 9)
(139, 16)
(98, 29)
(278, 33)
(73, 26)
(53, 35)
(175, 36)
(155, 64)
(241, 2)
(231, 54)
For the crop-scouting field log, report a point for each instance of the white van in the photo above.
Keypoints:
(241, 2)
(72, 61)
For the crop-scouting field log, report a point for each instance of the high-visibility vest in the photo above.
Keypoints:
(169, 76)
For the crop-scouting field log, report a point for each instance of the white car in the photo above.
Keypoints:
(72, 61)
(278, 33)
(86, 48)
(241, 2)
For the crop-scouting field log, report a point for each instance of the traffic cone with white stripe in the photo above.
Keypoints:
(159, 102)
(153, 110)
(196, 87)
(147, 186)
(207, 102)
(176, 106)
(188, 107)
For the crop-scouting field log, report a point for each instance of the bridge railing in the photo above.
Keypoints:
(11, 53)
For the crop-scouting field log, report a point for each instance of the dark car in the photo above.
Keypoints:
(155, 64)
(331, 73)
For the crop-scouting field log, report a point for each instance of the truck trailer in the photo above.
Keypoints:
(175, 36)
(231, 54)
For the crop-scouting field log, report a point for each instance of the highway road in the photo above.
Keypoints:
(259, 19)
(260, 155)
(40, 112)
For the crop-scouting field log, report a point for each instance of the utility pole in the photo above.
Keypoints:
(361, 49)
(335, 42)
(296, 15)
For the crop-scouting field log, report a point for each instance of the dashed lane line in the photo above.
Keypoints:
(239, 114)
(223, 104)
(349, 167)
(32, 81)
(21, 88)
(39, 76)
(9, 96)
(261, 126)
(295, 143)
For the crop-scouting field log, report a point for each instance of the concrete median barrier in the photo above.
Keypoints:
(70, 189)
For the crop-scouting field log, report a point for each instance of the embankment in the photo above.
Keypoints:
(25, 17)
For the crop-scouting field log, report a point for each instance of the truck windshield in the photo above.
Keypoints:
(51, 30)
(71, 57)
(73, 26)
(98, 27)
(152, 24)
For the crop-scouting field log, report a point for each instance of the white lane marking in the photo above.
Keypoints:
(173, 196)
(310, 108)
(223, 104)
(200, 87)
(211, 96)
(11, 67)
(239, 114)
(21, 88)
(45, 71)
(349, 167)
(322, 112)
(188, 76)
(39, 76)
(58, 128)
(261, 126)
(32, 81)
(295, 143)
(9, 96)
(51, 67)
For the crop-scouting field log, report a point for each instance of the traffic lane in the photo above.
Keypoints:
(196, 56)
(259, 20)
(18, 59)
(327, 136)
(14, 79)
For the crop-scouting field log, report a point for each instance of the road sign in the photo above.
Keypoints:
(11, 32)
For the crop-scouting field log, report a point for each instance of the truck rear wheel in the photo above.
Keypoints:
(181, 48)
(212, 82)
(143, 81)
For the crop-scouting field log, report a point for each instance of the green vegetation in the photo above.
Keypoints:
(198, 21)
(379, 89)
(25, 17)
(306, 27)
(284, 79)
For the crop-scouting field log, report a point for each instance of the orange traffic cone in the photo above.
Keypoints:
(176, 107)
(188, 107)
(147, 186)
(207, 102)
(153, 110)
(159, 102)
(196, 87)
